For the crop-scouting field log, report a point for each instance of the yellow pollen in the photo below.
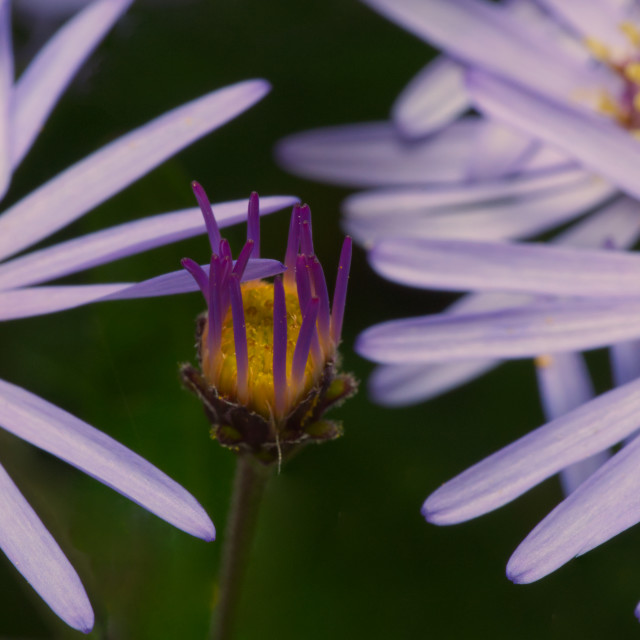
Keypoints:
(598, 49)
(632, 33)
(608, 106)
(221, 370)
(632, 72)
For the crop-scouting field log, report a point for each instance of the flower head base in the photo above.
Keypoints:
(268, 352)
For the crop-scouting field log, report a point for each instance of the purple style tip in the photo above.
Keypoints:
(253, 223)
(279, 347)
(209, 219)
(293, 243)
(340, 293)
(303, 345)
(199, 275)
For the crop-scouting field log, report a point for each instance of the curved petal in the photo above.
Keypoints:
(109, 170)
(525, 332)
(6, 93)
(124, 240)
(96, 454)
(597, 143)
(397, 385)
(435, 97)
(516, 468)
(501, 218)
(463, 265)
(37, 301)
(602, 507)
(37, 556)
(43, 81)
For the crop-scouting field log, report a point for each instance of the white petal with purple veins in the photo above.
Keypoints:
(123, 240)
(68, 438)
(463, 265)
(518, 467)
(37, 556)
(435, 97)
(43, 81)
(109, 170)
(602, 507)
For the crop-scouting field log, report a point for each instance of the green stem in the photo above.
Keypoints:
(248, 487)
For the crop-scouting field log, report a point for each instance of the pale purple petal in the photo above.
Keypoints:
(37, 556)
(500, 217)
(564, 384)
(396, 385)
(36, 301)
(124, 240)
(96, 454)
(625, 361)
(112, 168)
(382, 203)
(182, 282)
(484, 34)
(435, 97)
(498, 151)
(525, 332)
(463, 265)
(590, 20)
(518, 467)
(599, 144)
(602, 507)
(374, 154)
(617, 225)
(6, 81)
(43, 81)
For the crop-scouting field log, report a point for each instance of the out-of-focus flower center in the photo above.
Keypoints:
(624, 107)
(221, 371)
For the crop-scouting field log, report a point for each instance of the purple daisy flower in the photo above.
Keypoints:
(24, 106)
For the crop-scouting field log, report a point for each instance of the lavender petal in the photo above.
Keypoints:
(96, 454)
(518, 467)
(107, 171)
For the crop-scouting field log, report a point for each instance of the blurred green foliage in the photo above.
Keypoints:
(342, 550)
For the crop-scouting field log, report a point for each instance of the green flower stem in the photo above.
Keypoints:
(248, 487)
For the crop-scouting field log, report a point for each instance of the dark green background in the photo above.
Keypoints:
(342, 550)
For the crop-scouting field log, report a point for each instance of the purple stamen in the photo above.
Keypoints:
(239, 338)
(209, 219)
(340, 293)
(253, 223)
(199, 275)
(214, 316)
(303, 283)
(306, 236)
(279, 347)
(303, 345)
(243, 259)
(321, 292)
(293, 243)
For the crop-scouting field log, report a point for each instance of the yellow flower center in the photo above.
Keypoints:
(221, 371)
